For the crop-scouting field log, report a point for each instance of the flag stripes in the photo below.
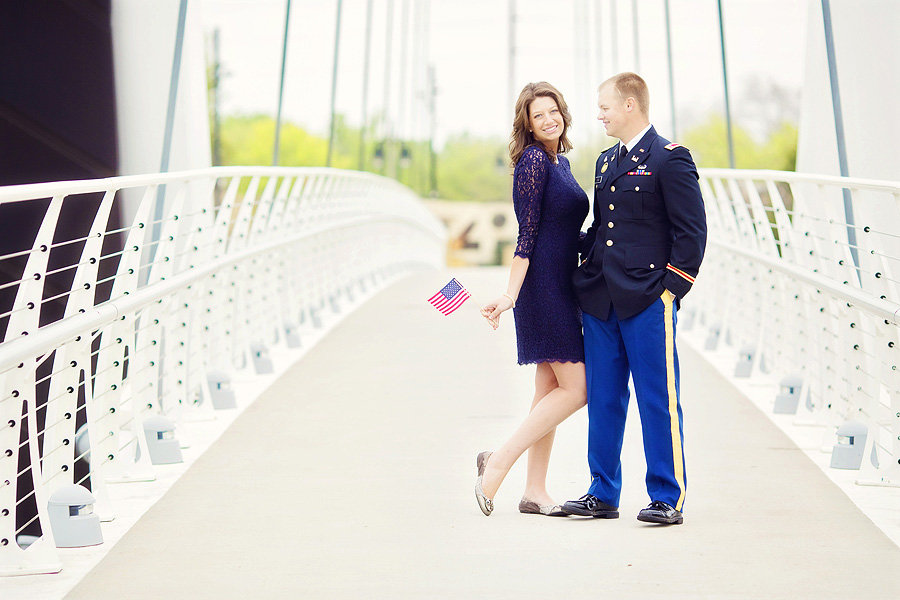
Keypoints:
(450, 297)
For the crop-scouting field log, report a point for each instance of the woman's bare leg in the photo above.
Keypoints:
(539, 452)
(551, 410)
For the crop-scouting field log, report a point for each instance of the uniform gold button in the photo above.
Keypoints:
(637, 188)
(652, 266)
(612, 207)
(612, 188)
(610, 225)
(609, 242)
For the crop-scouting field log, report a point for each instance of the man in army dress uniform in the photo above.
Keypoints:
(639, 258)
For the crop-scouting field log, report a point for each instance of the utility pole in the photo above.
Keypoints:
(386, 149)
(598, 35)
(334, 73)
(614, 35)
(365, 90)
(839, 131)
(635, 37)
(402, 129)
(174, 76)
(671, 76)
(217, 121)
(511, 67)
(275, 151)
(432, 90)
(725, 80)
(419, 172)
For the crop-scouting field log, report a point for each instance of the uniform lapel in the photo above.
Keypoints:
(638, 155)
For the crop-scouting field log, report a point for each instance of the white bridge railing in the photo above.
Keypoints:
(784, 288)
(118, 324)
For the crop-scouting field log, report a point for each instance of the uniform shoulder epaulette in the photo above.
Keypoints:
(674, 145)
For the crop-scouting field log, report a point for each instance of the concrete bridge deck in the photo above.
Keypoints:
(352, 476)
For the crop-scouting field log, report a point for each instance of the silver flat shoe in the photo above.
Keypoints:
(484, 503)
(529, 507)
(481, 461)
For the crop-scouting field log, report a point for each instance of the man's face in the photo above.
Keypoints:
(614, 112)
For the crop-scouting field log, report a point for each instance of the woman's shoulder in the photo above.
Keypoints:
(533, 153)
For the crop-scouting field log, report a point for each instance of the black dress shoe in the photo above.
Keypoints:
(660, 512)
(590, 506)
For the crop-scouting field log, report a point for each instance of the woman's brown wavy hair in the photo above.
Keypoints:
(521, 138)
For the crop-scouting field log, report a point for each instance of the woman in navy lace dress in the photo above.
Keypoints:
(550, 208)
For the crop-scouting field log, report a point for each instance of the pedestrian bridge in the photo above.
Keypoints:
(247, 377)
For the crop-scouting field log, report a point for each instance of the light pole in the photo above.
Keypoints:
(839, 131)
(671, 75)
(634, 36)
(287, 20)
(365, 89)
(337, 45)
(725, 80)
(386, 145)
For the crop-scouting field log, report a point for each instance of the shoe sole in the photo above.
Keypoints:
(483, 504)
(607, 515)
(587, 513)
(558, 513)
(675, 521)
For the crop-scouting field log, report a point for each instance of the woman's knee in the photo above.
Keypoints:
(579, 394)
(572, 379)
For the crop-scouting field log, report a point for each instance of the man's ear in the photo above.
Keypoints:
(629, 104)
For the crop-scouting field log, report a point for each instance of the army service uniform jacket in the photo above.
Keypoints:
(649, 229)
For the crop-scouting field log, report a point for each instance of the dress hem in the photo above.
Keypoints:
(559, 360)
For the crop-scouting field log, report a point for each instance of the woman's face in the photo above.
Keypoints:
(545, 121)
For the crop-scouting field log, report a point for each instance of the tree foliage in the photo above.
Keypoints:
(470, 168)
(474, 169)
(708, 143)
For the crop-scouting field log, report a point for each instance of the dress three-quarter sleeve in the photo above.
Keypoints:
(529, 181)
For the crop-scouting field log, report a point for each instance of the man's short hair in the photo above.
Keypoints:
(631, 85)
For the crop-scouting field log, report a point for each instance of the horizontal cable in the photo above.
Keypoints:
(30, 521)
(16, 254)
(108, 311)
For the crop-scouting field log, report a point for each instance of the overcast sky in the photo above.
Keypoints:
(566, 42)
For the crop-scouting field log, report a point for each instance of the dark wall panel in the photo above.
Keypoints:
(57, 94)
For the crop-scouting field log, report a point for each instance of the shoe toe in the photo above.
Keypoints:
(484, 503)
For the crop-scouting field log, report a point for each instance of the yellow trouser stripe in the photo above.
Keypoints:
(677, 453)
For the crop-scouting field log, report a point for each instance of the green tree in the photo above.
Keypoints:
(474, 169)
(781, 148)
(250, 139)
(708, 143)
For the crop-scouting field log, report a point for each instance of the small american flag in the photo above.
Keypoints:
(450, 297)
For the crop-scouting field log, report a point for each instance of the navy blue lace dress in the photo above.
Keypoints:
(550, 208)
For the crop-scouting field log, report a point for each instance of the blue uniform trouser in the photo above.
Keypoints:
(643, 345)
